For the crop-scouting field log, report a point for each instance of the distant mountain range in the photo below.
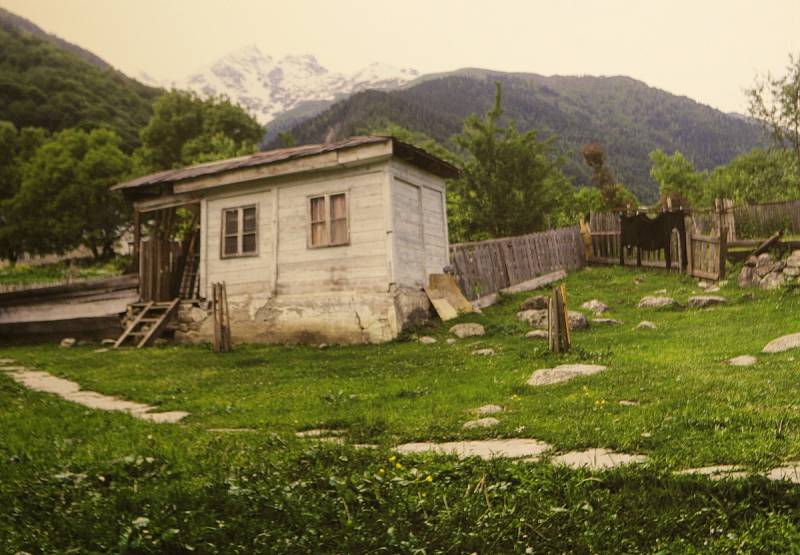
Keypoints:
(267, 87)
(298, 95)
(627, 116)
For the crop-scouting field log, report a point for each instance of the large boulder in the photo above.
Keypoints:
(783, 343)
(773, 280)
(562, 373)
(651, 301)
(794, 259)
(596, 306)
(645, 325)
(748, 277)
(467, 330)
(763, 264)
(702, 301)
(537, 302)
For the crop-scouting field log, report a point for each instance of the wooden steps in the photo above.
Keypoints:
(150, 321)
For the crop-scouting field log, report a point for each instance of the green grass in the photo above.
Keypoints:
(22, 274)
(269, 492)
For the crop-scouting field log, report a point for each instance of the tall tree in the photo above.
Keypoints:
(186, 129)
(615, 195)
(511, 182)
(775, 102)
(676, 177)
(64, 198)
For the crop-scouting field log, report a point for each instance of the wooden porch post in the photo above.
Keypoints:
(137, 239)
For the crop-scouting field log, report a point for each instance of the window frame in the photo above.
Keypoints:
(240, 233)
(328, 219)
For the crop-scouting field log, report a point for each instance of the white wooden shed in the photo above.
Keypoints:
(318, 243)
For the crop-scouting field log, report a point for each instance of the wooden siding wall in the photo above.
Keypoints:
(357, 266)
(420, 225)
(488, 266)
(244, 274)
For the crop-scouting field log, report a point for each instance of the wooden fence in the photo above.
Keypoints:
(605, 229)
(488, 266)
(706, 254)
(762, 220)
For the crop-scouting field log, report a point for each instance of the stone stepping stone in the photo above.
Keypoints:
(562, 373)
(783, 343)
(320, 432)
(597, 459)
(483, 352)
(487, 409)
(789, 472)
(488, 422)
(596, 306)
(427, 340)
(744, 360)
(231, 430)
(702, 301)
(651, 301)
(485, 449)
(66, 389)
(537, 334)
(718, 472)
(467, 330)
(645, 325)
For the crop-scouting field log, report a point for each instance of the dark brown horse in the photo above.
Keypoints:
(650, 234)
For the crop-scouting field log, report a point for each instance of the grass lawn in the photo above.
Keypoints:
(79, 479)
(22, 274)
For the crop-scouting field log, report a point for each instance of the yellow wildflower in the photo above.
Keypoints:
(398, 466)
(429, 478)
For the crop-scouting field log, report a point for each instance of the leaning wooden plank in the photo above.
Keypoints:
(535, 283)
(446, 297)
(764, 247)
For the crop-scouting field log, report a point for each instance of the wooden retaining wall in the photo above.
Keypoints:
(88, 309)
(488, 266)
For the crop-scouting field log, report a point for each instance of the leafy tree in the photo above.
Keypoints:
(615, 196)
(756, 176)
(511, 182)
(64, 199)
(186, 129)
(677, 179)
(775, 102)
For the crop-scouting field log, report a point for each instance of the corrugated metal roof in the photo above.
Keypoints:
(264, 158)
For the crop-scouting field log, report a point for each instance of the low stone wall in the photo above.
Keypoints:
(768, 272)
(347, 317)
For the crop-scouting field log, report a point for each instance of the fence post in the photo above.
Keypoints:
(723, 252)
(688, 225)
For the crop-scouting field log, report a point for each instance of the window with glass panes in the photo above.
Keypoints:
(328, 220)
(239, 231)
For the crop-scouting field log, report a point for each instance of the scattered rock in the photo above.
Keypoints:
(467, 330)
(763, 264)
(645, 325)
(108, 342)
(323, 346)
(744, 360)
(488, 409)
(483, 352)
(703, 284)
(230, 430)
(661, 292)
(597, 459)
(537, 334)
(486, 449)
(656, 302)
(538, 302)
(562, 373)
(4, 361)
(98, 351)
(791, 271)
(577, 320)
(712, 289)
(790, 472)
(536, 318)
(748, 277)
(451, 341)
(718, 472)
(606, 321)
(320, 432)
(772, 280)
(626, 403)
(702, 301)
(598, 307)
(427, 340)
(783, 343)
(67, 342)
(487, 422)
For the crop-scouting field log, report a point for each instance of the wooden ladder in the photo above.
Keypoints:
(149, 323)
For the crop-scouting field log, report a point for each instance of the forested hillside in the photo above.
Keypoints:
(49, 83)
(630, 118)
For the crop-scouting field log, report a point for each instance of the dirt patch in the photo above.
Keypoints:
(485, 449)
(71, 391)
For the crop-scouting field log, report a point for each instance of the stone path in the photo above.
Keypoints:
(485, 449)
(71, 391)
(744, 360)
(597, 459)
(783, 343)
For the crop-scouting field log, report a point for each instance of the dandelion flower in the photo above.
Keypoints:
(429, 479)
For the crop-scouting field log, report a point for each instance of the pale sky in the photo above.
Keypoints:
(709, 50)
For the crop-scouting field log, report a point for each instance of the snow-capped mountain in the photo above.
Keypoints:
(268, 87)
